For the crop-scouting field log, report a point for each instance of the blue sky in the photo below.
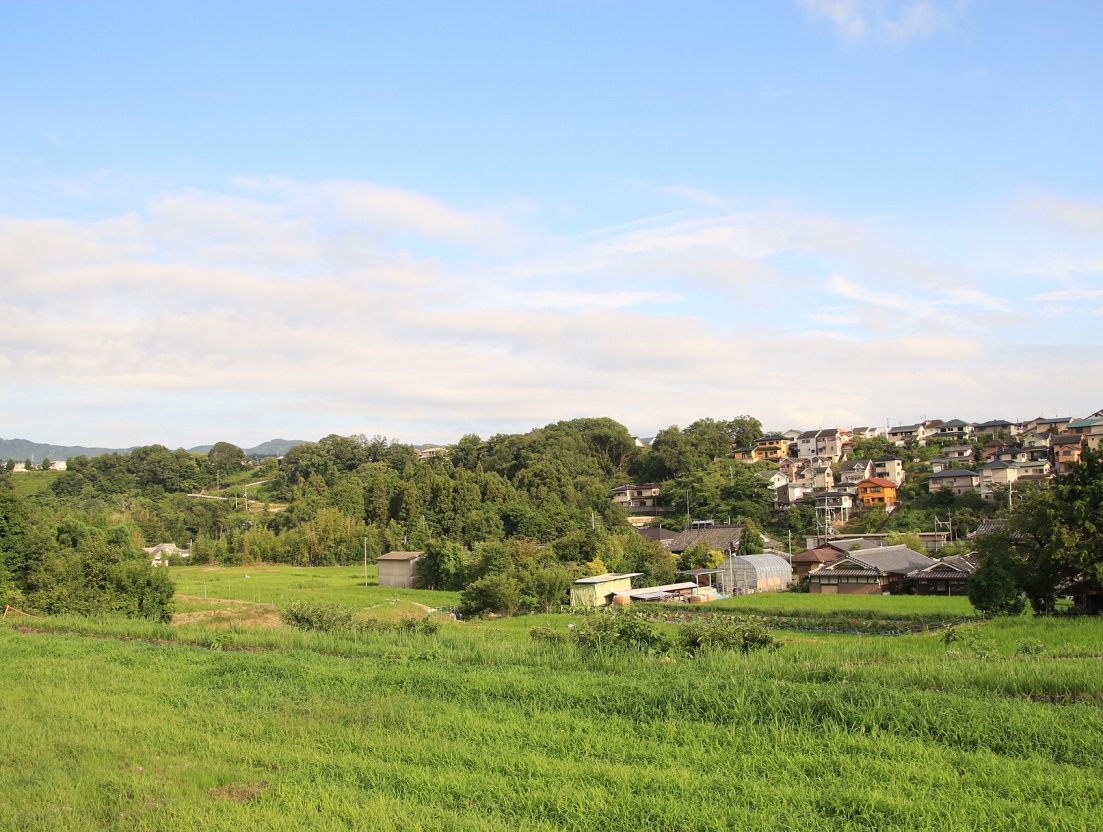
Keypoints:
(241, 221)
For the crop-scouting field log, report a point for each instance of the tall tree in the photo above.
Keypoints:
(744, 430)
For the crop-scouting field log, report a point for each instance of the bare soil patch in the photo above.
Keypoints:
(226, 612)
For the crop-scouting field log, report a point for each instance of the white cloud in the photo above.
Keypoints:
(892, 21)
(282, 308)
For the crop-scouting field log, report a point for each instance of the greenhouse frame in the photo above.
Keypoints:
(755, 573)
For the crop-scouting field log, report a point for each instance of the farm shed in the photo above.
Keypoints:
(755, 573)
(398, 569)
(666, 592)
(599, 590)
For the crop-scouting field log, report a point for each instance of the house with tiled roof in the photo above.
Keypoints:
(903, 435)
(771, 447)
(890, 468)
(868, 571)
(722, 536)
(855, 470)
(957, 480)
(822, 443)
(877, 491)
(1067, 450)
(954, 430)
(1084, 426)
(997, 426)
(948, 576)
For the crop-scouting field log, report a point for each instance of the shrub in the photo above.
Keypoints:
(726, 633)
(1030, 647)
(620, 631)
(315, 615)
(548, 635)
(494, 593)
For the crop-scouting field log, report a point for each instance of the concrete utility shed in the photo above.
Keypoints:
(599, 590)
(398, 569)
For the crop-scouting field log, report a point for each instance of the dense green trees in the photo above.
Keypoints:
(1052, 542)
(533, 508)
(76, 567)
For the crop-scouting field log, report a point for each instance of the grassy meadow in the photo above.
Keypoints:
(218, 723)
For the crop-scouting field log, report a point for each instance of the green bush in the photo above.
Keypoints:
(726, 633)
(620, 631)
(548, 635)
(314, 615)
(494, 593)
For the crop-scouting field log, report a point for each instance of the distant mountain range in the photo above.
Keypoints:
(21, 449)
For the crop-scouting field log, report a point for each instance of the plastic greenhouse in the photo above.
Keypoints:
(755, 573)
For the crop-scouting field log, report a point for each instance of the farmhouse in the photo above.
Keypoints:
(398, 569)
(868, 571)
(948, 576)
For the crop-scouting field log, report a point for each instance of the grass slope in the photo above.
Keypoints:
(478, 728)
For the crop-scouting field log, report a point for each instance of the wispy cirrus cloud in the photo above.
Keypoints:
(891, 21)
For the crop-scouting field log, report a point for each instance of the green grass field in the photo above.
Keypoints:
(128, 725)
(280, 585)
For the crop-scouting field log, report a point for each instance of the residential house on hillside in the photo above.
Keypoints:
(1085, 426)
(745, 454)
(997, 475)
(639, 499)
(1094, 439)
(791, 466)
(1017, 454)
(956, 480)
(1038, 439)
(816, 475)
(1055, 425)
(999, 426)
(903, 435)
(832, 507)
(789, 494)
(994, 446)
(772, 447)
(856, 470)
(776, 479)
(953, 457)
(877, 491)
(960, 453)
(1067, 449)
(954, 430)
(868, 571)
(823, 443)
(889, 468)
(867, 432)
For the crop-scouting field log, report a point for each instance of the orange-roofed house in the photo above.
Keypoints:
(877, 491)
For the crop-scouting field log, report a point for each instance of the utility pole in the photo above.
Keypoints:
(365, 561)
